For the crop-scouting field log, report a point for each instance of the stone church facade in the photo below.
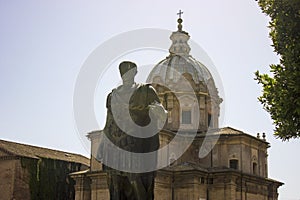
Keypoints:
(219, 164)
(31, 172)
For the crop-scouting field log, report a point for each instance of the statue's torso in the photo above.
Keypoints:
(131, 105)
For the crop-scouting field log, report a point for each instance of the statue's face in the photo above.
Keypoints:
(129, 75)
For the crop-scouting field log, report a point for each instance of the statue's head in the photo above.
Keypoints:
(127, 66)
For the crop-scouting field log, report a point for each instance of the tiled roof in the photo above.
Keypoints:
(226, 131)
(229, 131)
(185, 166)
(29, 151)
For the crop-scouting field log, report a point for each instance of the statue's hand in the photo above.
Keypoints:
(158, 113)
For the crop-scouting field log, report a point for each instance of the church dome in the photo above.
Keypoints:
(175, 65)
(185, 87)
(180, 62)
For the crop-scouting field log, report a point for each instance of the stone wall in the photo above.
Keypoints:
(7, 177)
(21, 184)
(14, 180)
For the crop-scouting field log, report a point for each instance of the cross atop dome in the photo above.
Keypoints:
(180, 13)
(179, 20)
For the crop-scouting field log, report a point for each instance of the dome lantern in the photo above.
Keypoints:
(179, 40)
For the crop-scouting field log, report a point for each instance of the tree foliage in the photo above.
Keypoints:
(281, 91)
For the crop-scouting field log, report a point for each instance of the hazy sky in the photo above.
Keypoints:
(44, 44)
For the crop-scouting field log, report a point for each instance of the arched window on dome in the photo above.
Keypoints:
(188, 112)
(234, 163)
(186, 117)
(209, 120)
(254, 168)
(255, 165)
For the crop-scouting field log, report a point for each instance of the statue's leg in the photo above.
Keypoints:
(114, 187)
(128, 190)
(148, 182)
(139, 188)
(110, 185)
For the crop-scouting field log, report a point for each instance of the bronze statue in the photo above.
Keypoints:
(129, 106)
